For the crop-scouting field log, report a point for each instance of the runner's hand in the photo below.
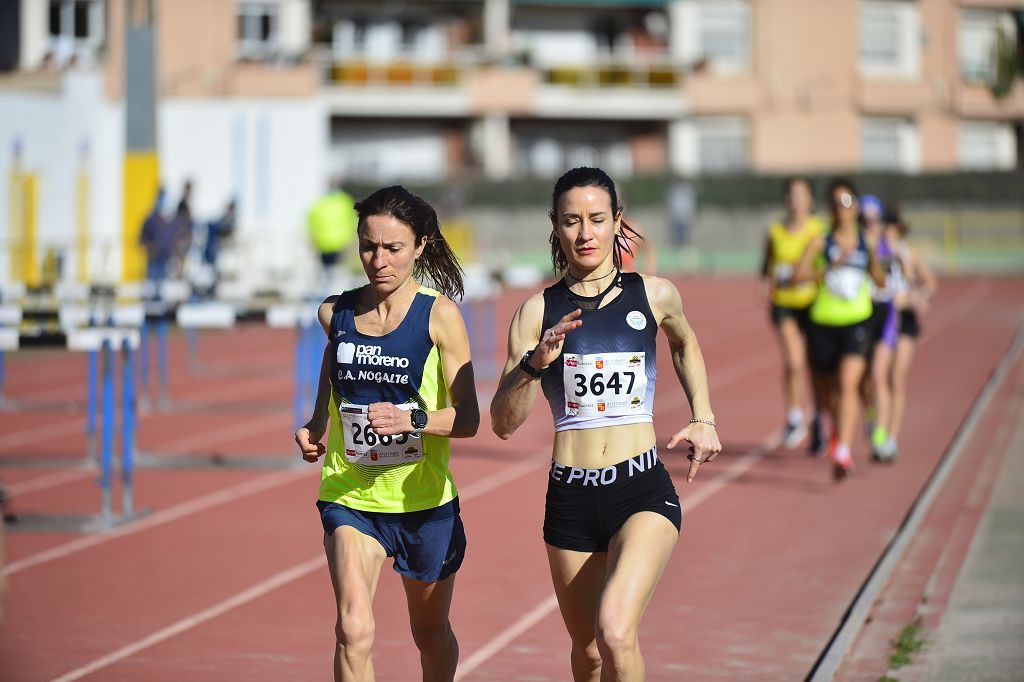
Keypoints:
(704, 445)
(308, 439)
(387, 420)
(550, 346)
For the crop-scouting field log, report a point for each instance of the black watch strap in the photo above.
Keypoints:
(525, 365)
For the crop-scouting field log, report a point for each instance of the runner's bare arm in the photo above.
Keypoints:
(688, 362)
(461, 418)
(517, 390)
(805, 270)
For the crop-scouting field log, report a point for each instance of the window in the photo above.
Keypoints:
(717, 30)
(889, 144)
(257, 30)
(889, 38)
(979, 40)
(986, 145)
(76, 29)
(725, 33)
(547, 153)
(722, 144)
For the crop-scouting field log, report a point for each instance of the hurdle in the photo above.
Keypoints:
(478, 310)
(10, 318)
(308, 351)
(106, 341)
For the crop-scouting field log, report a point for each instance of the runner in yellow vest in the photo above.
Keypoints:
(396, 384)
(838, 334)
(332, 226)
(785, 243)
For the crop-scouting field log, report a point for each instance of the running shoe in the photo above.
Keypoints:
(889, 450)
(816, 446)
(842, 462)
(793, 434)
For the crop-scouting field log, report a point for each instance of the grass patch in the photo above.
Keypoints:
(910, 642)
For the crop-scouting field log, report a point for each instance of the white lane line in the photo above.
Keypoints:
(50, 480)
(223, 496)
(220, 434)
(277, 580)
(42, 432)
(506, 636)
(550, 603)
(254, 592)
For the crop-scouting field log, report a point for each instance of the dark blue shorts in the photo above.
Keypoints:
(426, 545)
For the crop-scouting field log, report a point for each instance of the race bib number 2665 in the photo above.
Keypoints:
(605, 384)
(364, 446)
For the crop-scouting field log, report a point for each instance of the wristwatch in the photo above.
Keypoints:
(525, 365)
(419, 422)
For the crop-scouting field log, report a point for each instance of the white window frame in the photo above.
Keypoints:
(691, 17)
(905, 137)
(250, 44)
(724, 127)
(1004, 156)
(985, 25)
(907, 19)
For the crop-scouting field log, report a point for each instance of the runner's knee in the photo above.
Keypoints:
(615, 636)
(355, 632)
(432, 636)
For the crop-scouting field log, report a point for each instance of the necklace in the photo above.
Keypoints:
(592, 279)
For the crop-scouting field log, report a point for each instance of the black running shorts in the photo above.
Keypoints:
(586, 507)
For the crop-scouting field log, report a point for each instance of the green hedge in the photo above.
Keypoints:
(1004, 189)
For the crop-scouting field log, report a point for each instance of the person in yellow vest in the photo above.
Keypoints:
(332, 226)
(844, 263)
(784, 245)
(396, 385)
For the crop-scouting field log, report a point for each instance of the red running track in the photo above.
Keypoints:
(225, 579)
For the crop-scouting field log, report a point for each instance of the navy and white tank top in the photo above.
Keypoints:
(385, 473)
(607, 371)
(389, 368)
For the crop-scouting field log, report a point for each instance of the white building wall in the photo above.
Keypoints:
(268, 153)
(57, 133)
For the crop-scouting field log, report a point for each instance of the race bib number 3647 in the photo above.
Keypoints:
(364, 446)
(605, 384)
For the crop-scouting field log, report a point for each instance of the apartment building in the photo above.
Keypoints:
(269, 100)
(527, 87)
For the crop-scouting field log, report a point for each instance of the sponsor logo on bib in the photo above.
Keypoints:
(570, 362)
(636, 319)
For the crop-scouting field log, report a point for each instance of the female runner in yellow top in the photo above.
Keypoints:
(612, 515)
(397, 384)
(784, 245)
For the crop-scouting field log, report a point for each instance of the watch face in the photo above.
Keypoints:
(419, 419)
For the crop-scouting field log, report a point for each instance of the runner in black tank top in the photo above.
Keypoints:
(590, 340)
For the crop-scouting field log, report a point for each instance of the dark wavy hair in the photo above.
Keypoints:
(437, 262)
(589, 177)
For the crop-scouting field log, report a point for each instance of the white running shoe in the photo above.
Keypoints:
(792, 435)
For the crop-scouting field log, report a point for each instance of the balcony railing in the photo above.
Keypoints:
(606, 71)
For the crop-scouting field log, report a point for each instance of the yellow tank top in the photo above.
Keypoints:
(787, 250)
(393, 473)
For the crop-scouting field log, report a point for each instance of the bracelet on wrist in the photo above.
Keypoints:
(709, 422)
